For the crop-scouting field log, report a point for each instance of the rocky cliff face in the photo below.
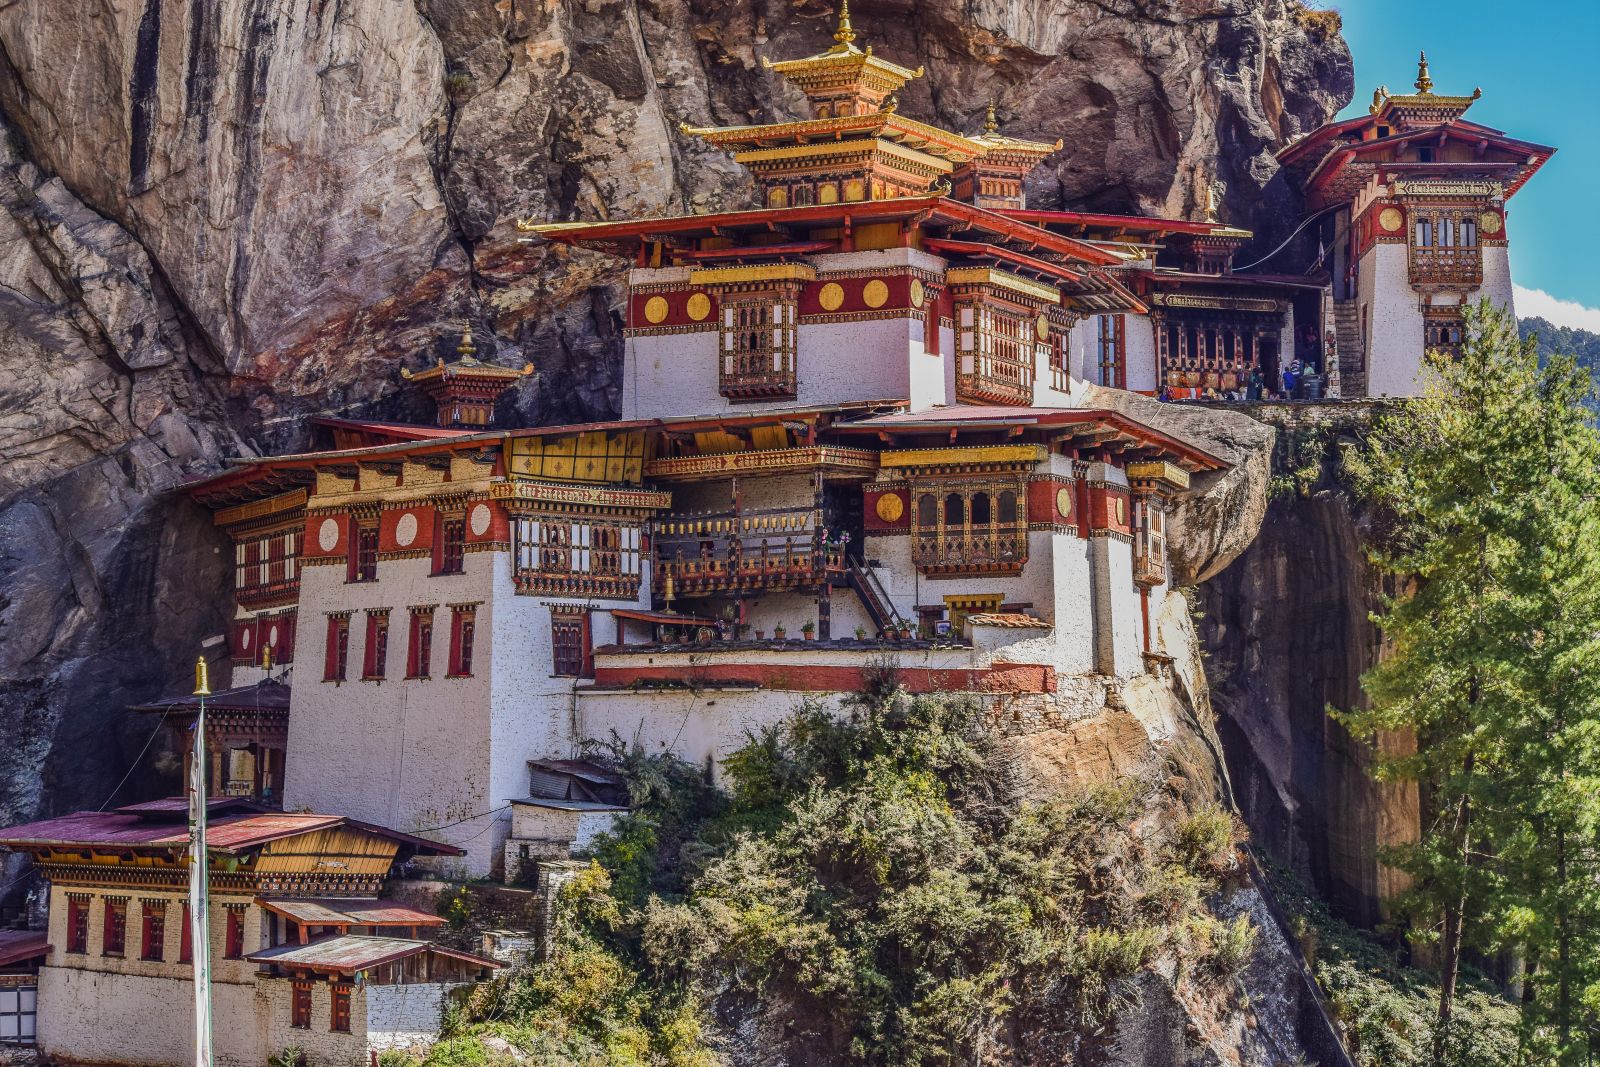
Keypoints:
(1288, 634)
(222, 215)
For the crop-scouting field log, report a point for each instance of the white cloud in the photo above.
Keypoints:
(1536, 303)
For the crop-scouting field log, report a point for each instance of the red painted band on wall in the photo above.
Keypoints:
(835, 678)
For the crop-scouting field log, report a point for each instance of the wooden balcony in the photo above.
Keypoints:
(268, 594)
(733, 552)
(1150, 563)
(997, 549)
(772, 385)
(995, 380)
(566, 583)
(1456, 265)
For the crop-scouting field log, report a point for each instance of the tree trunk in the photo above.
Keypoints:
(1563, 947)
(1454, 922)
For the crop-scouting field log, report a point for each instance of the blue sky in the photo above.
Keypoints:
(1538, 63)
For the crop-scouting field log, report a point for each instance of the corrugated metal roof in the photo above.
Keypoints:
(357, 952)
(265, 695)
(19, 945)
(343, 912)
(139, 828)
(577, 768)
(570, 805)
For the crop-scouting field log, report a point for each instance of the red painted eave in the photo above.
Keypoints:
(997, 416)
(19, 945)
(929, 208)
(1088, 220)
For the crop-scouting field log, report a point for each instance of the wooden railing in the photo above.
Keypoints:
(1454, 265)
(723, 552)
(1000, 548)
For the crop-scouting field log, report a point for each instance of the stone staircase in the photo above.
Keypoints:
(1352, 357)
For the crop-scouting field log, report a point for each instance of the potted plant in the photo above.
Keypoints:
(905, 632)
(669, 635)
(779, 633)
(809, 628)
(761, 635)
(861, 633)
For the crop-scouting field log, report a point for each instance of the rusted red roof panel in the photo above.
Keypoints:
(357, 952)
(342, 912)
(19, 945)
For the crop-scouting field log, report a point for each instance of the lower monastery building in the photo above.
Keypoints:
(870, 417)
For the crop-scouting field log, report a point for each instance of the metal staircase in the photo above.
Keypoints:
(873, 597)
(1351, 352)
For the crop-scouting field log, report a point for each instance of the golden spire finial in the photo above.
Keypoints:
(989, 123)
(1424, 83)
(844, 34)
(466, 348)
(202, 680)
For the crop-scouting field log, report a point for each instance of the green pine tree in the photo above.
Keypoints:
(1487, 486)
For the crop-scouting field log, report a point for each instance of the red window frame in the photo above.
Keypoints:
(463, 630)
(375, 656)
(570, 652)
(234, 947)
(363, 553)
(300, 1005)
(77, 925)
(152, 931)
(419, 650)
(116, 932)
(336, 657)
(449, 556)
(338, 1008)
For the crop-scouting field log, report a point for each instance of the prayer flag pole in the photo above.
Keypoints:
(199, 919)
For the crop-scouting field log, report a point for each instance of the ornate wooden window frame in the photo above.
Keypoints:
(758, 341)
(576, 555)
(980, 540)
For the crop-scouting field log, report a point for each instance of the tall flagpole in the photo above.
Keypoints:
(199, 919)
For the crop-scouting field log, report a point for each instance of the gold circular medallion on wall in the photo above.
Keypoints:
(890, 507)
(699, 306)
(875, 294)
(1122, 512)
(655, 309)
(1041, 327)
(831, 296)
(1064, 503)
(919, 292)
(1490, 223)
(1391, 219)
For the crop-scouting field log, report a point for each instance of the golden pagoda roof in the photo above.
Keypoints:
(997, 143)
(886, 124)
(842, 65)
(1424, 99)
(466, 363)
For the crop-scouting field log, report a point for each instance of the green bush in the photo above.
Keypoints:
(871, 880)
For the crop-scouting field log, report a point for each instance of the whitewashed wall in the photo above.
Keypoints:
(405, 753)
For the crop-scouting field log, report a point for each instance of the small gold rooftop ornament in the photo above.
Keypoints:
(989, 123)
(1424, 83)
(844, 34)
(202, 679)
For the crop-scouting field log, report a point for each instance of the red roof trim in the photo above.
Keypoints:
(1126, 222)
(943, 208)
(978, 248)
(1043, 417)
